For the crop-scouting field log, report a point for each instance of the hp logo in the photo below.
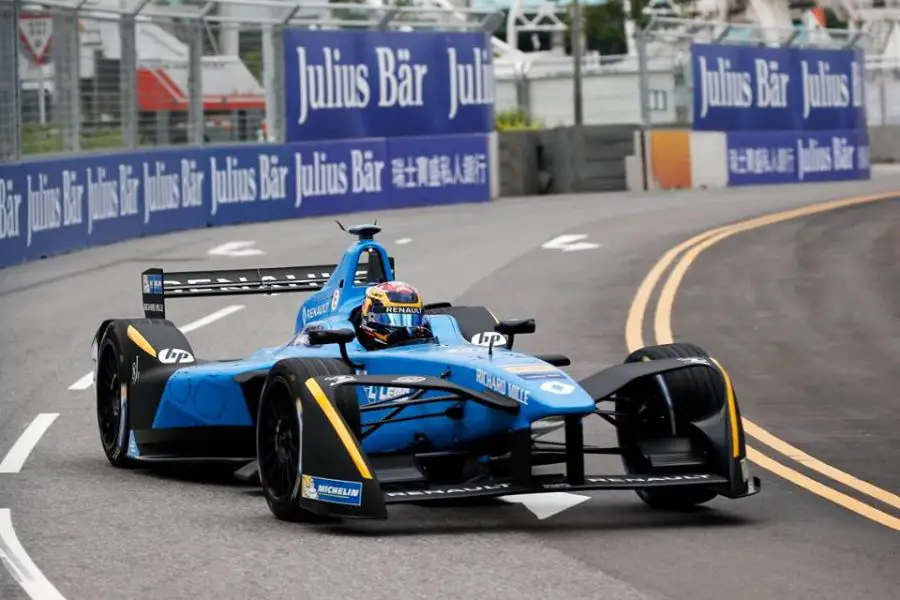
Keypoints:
(485, 338)
(171, 356)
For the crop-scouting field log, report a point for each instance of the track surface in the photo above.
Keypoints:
(819, 295)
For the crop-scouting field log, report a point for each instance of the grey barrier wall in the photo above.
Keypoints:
(565, 160)
(884, 143)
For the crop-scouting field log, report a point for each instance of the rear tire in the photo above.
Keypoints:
(279, 430)
(111, 389)
(695, 393)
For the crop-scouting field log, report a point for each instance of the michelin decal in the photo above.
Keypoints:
(334, 491)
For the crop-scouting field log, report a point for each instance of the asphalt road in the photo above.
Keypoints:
(804, 313)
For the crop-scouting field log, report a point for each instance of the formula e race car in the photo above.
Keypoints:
(333, 430)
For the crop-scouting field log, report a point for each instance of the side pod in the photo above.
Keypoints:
(335, 476)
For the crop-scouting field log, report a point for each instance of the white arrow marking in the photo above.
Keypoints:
(547, 504)
(403, 241)
(236, 249)
(570, 243)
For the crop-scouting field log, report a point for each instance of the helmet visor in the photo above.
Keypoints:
(398, 319)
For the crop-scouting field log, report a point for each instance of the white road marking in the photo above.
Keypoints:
(547, 504)
(235, 249)
(403, 241)
(569, 243)
(17, 455)
(88, 380)
(84, 383)
(20, 565)
(211, 318)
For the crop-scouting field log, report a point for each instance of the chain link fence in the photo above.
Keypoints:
(611, 90)
(94, 75)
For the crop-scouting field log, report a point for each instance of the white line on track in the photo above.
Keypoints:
(212, 318)
(17, 455)
(20, 565)
(88, 380)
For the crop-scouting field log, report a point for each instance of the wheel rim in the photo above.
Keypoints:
(279, 443)
(109, 400)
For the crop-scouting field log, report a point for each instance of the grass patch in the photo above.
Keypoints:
(48, 139)
(516, 120)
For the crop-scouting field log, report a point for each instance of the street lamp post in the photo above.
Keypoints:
(576, 58)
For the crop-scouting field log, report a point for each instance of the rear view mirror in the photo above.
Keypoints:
(323, 337)
(511, 327)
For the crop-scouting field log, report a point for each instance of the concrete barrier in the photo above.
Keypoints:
(565, 160)
(521, 169)
(884, 143)
(599, 158)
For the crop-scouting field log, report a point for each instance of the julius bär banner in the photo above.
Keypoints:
(758, 157)
(748, 88)
(365, 84)
(52, 206)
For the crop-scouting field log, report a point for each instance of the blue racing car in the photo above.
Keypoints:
(379, 398)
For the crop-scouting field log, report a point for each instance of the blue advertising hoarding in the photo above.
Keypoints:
(796, 157)
(52, 206)
(374, 84)
(749, 88)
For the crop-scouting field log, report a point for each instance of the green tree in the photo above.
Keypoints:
(253, 60)
(604, 27)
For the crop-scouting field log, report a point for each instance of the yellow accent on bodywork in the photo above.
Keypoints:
(732, 409)
(530, 368)
(140, 341)
(338, 424)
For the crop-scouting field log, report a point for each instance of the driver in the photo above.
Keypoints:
(392, 313)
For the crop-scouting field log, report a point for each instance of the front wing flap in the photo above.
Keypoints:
(722, 431)
(335, 476)
(605, 383)
(553, 483)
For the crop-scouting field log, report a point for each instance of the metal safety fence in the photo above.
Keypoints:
(654, 85)
(93, 75)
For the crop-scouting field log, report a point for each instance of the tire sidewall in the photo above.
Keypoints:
(117, 454)
(275, 503)
(291, 373)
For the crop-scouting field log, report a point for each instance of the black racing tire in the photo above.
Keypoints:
(279, 429)
(696, 393)
(113, 417)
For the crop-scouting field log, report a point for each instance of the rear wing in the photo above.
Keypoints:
(158, 285)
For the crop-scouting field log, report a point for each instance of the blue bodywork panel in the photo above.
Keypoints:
(207, 394)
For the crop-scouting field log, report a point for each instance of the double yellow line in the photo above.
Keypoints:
(688, 252)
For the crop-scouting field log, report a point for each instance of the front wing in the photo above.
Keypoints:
(331, 453)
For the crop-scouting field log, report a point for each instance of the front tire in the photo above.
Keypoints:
(693, 394)
(279, 430)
